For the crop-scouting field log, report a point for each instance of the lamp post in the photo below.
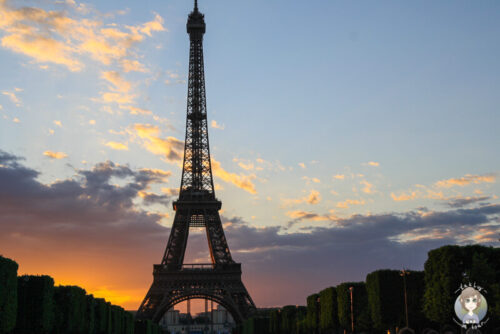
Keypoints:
(404, 273)
(351, 289)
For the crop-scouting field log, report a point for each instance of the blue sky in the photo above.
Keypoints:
(324, 115)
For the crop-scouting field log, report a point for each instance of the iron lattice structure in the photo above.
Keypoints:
(197, 206)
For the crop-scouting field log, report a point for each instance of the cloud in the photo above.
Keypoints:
(58, 123)
(55, 155)
(64, 37)
(311, 179)
(136, 111)
(149, 135)
(466, 180)
(349, 202)
(314, 197)
(13, 97)
(339, 176)
(368, 187)
(373, 164)
(129, 65)
(118, 83)
(459, 202)
(241, 181)
(302, 165)
(16, 120)
(404, 196)
(117, 146)
(84, 219)
(216, 125)
(89, 220)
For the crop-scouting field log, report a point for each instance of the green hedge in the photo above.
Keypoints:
(128, 323)
(143, 327)
(362, 321)
(101, 311)
(256, 325)
(449, 266)
(287, 319)
(274, 321)
(36, 305)
(386, 299)
(329, 320)
(8, 294)
(313, 311)
(71, 307)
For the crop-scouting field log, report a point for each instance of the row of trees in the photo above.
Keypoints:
(378, 304)
(32, 304)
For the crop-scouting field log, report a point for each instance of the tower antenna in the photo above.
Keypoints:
(196, 5)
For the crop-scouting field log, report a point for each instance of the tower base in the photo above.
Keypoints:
(220, 283)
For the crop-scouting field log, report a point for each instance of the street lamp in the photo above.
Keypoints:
(351, 289)
(404, 273)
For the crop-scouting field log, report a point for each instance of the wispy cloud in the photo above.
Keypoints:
(64, 37)
(241, 181)
(149, 135)
(13, 97)
(314, 197)
(55, 155)
(117, 146)
(404, 196)
(466, 180)
(373, 163)
(216, 125)
(339, 176)
(350, 202)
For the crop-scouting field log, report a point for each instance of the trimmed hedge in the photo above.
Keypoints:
(274, 321)
(36, 305)
(362, 321)
(287, 319)
(329, 320)
(101, 311)
(386, 299)
(8, 294)
(71, 307)
(313, 310)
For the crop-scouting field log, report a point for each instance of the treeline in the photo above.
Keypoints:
(32, 304)
(379, 302)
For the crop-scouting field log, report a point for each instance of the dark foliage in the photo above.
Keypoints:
(362, 321)
(329, 320)
(8, 294)
(35, 305)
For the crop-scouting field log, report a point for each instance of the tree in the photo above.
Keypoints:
(329, 320)
(362, 321)
(36, 304)
(313, 311)
(8, 294)
(71, 306)
(386, 299)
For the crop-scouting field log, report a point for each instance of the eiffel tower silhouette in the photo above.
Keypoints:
(197, 206)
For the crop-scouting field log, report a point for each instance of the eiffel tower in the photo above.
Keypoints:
(218, 281)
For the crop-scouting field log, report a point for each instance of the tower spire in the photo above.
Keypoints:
(195, 5)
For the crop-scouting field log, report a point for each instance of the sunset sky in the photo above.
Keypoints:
(346, 136)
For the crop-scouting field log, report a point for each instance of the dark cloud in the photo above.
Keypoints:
(464, 201)
(92, 214)
(87, 206)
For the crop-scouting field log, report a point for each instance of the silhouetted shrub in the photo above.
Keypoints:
(8, 294)
(313, 310)
(71, 306)
(386, 299)
(329, 320)
(362, 321)
(101, 310)
(35, 305)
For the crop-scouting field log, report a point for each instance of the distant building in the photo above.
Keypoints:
(181, 323)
